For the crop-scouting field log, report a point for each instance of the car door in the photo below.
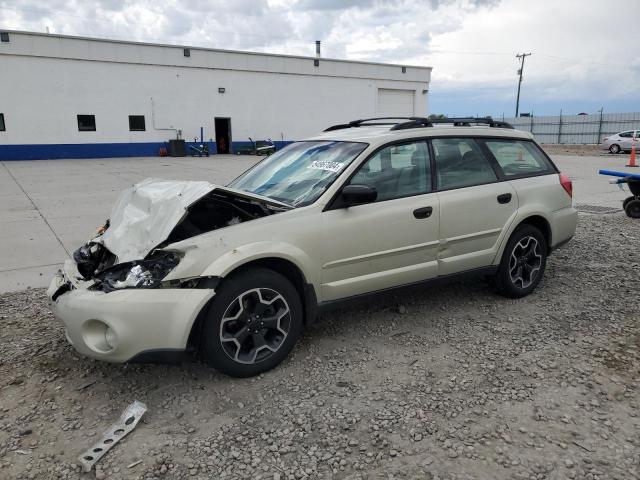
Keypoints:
(475, 208)
(625, 140)
(390, 242)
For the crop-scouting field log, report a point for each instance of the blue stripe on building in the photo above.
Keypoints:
(102, 150)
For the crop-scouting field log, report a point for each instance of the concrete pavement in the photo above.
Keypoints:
(48, 208)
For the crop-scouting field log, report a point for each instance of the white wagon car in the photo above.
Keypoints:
(236, 272)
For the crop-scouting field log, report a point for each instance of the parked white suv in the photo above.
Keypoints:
(236, 272)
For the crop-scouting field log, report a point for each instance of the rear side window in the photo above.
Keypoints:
(519, 158)
(461, 163)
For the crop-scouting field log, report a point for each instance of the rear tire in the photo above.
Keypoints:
(523, 263)
(632, 208)
(615, 148)
(253, 323)
(626, 202)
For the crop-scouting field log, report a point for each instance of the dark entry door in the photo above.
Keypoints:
(223, 134)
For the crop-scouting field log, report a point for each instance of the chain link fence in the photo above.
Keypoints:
(576, 129)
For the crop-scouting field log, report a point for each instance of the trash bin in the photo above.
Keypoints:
(177, 148)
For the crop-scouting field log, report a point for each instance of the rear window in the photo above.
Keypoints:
(460, 163)
(519, 158)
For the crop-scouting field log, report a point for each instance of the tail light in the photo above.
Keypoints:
(566, 184)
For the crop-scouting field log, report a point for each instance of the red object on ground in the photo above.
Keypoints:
(163, 152)
(632, 157)
(566, 184)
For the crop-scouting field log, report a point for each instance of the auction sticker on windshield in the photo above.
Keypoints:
(327, 165)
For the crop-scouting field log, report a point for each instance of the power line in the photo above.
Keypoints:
(521, 56)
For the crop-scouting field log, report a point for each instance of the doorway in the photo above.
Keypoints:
(223, 134)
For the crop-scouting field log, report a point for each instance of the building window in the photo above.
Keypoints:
(2, 127)
(4, 37)
(136, 123)
(186, 52)
(86, 123)
(316, 62)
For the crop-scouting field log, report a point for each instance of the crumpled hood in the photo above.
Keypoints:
(144, 215)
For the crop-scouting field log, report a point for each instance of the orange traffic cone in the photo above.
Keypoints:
(632, 157)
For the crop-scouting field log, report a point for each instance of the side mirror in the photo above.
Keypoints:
(358, 194)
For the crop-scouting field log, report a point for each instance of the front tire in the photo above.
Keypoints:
(615, 148)
(253, 323)
(523, 263)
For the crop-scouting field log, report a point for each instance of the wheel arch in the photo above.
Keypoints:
(284, 267)
(534, 219)
(542, 224)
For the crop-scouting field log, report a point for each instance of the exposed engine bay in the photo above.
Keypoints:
(217, 210)
(156, 213)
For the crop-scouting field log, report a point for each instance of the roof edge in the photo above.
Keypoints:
(221, 50)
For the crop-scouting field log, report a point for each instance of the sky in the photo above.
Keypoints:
(584, 52)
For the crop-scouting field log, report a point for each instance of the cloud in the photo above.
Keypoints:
(332, 4)
(470, 43)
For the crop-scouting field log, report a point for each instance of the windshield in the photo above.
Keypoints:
(299, 173)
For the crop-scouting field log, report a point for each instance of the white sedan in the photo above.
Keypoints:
(621, 142)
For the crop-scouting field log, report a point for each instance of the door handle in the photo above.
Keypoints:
(504, 198)
(424, 212)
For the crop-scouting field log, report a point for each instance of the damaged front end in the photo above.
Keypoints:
(130, 250)
(147, 273)
(93, 257)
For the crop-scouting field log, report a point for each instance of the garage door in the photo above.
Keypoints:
(395, 102)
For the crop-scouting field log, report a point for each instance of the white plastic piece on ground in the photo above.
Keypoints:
(128, 421)
(144, 215)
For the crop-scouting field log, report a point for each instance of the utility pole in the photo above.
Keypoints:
(521, 56)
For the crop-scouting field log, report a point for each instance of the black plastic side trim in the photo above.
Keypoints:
(173, 356)
(310, 304)
(443, 279)
(208, 282)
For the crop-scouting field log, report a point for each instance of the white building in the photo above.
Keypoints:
(73, 97)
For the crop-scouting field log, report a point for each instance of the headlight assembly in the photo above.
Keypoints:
(138, 274)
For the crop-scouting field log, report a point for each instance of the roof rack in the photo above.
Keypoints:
(467, 121)
(414, 121)
(419, 122)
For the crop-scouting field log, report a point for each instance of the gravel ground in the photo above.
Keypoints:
(449, 383)
(582, 150)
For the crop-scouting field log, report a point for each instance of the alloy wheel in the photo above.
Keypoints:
(255, 325)
(525, 262)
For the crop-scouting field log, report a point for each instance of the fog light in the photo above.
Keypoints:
(98, 336)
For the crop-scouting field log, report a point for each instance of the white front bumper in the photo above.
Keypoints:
(141, 320)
